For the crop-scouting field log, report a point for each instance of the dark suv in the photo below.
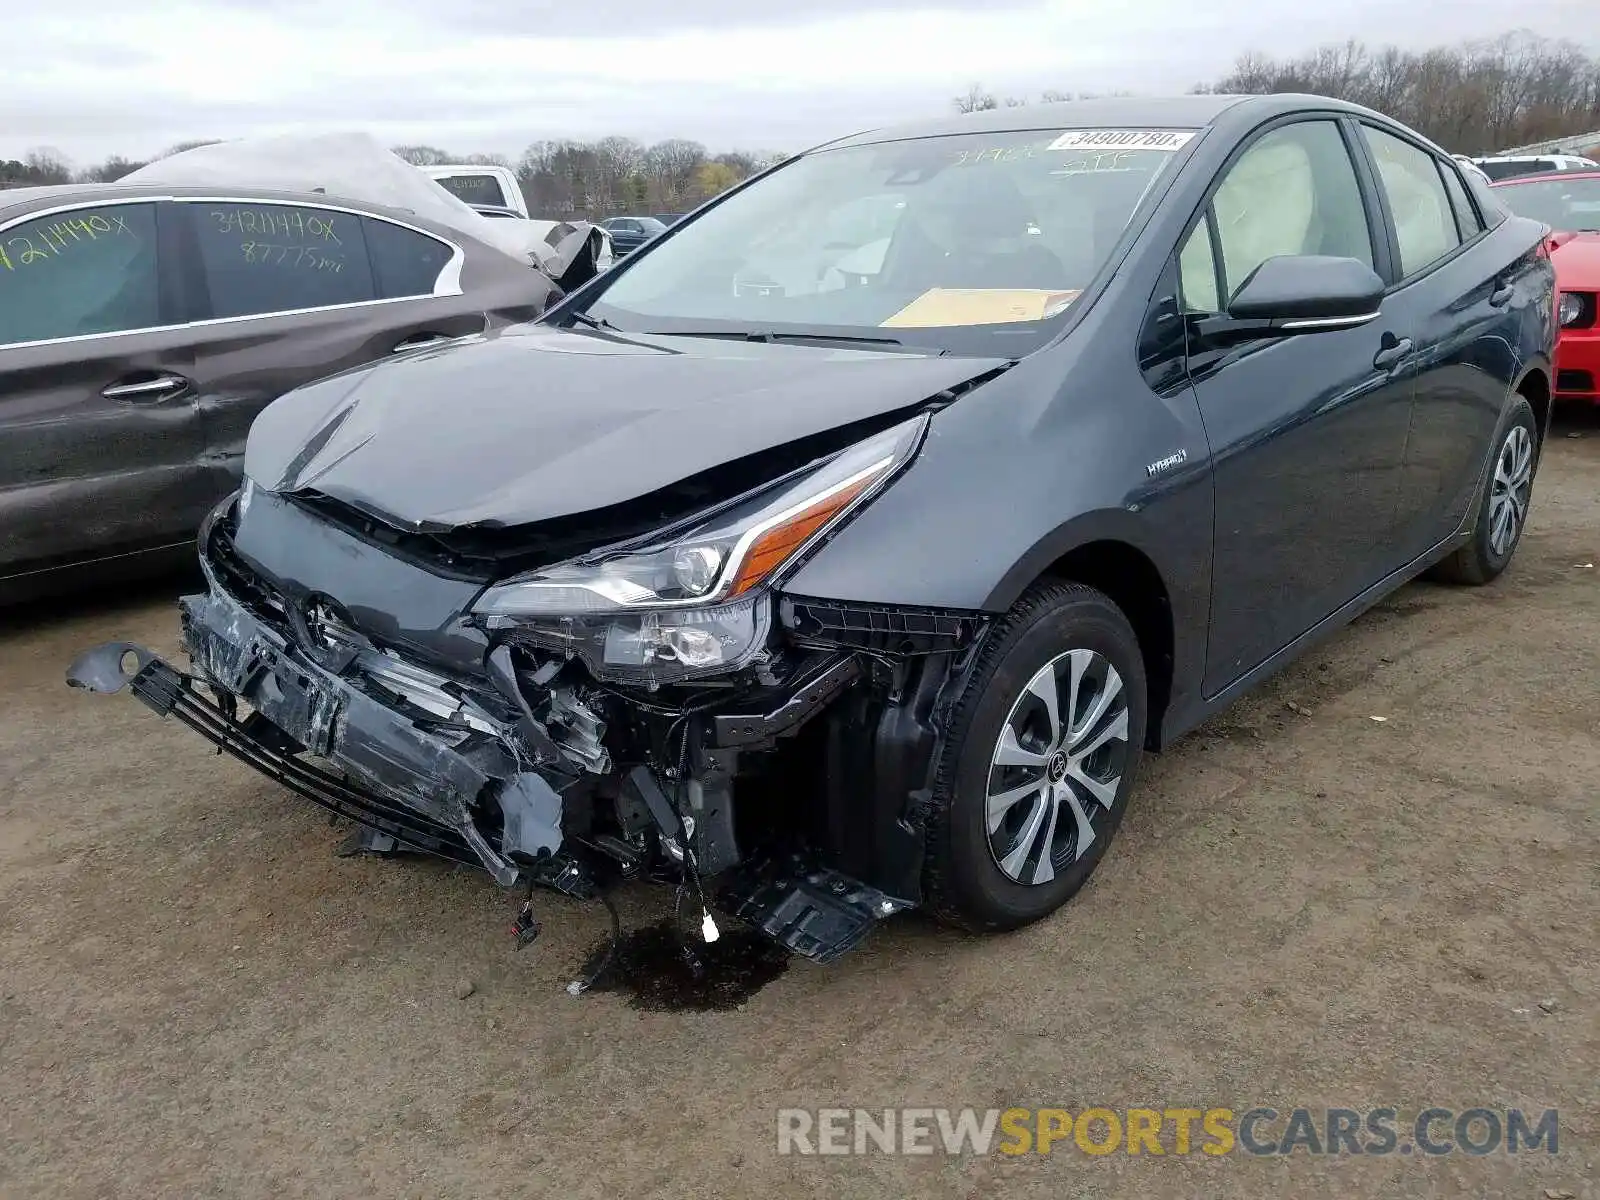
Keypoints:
(629, 233)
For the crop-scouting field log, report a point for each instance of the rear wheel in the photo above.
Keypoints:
(1503, 511)
(1034, 777)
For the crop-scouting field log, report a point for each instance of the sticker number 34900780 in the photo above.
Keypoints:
(1123, 139)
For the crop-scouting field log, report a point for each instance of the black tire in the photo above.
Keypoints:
(964, 881)
(1478, 562)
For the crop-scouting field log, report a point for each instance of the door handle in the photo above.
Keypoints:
(418, 341)
(146, 389)
(1501, 296)
(1391, 354)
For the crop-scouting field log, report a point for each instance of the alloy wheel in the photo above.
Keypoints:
(1508, 498)
(1057, 766)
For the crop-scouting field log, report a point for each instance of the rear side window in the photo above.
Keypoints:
(269, 258)
(1424, 223)
(84, 271)
(1467, 220)
(404, 262)
(1490, 205)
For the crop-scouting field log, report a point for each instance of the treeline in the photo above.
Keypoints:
(610, 177)
(1471, 98)
(46, 166)
(614, 176)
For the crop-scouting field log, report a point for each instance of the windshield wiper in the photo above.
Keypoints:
(583, 318)
(772, 335)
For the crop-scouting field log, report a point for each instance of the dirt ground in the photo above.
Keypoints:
(1305, 907)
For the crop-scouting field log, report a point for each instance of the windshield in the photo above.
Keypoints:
(976, 243)
(1562, 204)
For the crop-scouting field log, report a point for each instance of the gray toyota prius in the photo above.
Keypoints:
(842, 550)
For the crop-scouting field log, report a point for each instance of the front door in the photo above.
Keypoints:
(1308, 432)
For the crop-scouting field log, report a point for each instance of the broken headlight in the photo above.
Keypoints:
(696, 602)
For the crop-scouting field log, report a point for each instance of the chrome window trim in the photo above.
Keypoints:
(446, 284)
(1348, 322)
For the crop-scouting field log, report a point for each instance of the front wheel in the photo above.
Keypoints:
(1034, 776)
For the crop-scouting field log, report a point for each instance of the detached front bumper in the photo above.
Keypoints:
(388, 773)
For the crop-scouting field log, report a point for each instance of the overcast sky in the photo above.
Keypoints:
(98, 77)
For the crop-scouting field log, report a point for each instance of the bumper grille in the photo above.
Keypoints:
(239, 581)
(169, 693)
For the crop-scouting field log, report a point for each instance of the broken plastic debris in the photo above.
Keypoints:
(708, 928)
(1377, 718)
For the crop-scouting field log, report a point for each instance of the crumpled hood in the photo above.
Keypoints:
(1577, 260)
(535, 422)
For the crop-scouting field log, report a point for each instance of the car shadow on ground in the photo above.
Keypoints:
(104, 599)
(1575, 420)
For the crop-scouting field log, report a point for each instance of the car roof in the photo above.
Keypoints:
(1113, 112)
(15, 202)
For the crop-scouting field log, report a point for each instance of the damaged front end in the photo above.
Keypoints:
(657, 708)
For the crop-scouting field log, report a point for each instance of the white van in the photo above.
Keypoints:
(485, 185)
(1508, 166)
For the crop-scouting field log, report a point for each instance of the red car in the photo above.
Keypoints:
(1568, 202)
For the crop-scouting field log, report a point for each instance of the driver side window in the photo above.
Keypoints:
(1294, 191)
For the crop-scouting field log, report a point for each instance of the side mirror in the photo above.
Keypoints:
(1299, 293)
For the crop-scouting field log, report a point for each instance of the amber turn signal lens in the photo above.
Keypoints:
(770, 550)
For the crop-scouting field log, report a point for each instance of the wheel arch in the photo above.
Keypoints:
(1108, 552)
(1534, 386)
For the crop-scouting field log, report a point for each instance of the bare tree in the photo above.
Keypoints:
(671, 166)
(113, 169)
(48, 165)
(976, 99)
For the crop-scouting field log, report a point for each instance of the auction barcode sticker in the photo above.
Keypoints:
(1123, 139)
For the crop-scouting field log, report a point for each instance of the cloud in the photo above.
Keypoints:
(98, 79)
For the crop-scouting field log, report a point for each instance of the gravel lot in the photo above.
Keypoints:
(1305, 906)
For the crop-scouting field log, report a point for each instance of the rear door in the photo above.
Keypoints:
(1307, 432)
(1462, 290)
(289, 293)
(101, 446)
